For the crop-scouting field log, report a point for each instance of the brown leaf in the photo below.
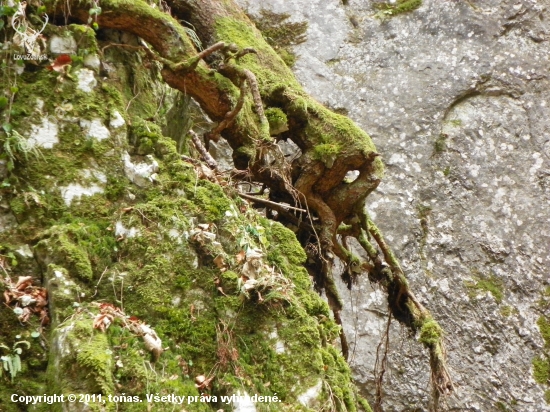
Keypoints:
(24, 317)
(219, 261)
(60, 63)
(7, 297)
(241, 256)
(202, 382)
(102, 321)
(44, 317)
(23, 282)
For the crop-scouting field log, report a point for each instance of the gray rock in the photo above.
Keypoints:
(63, 45)
(92, 61)
(455, 96)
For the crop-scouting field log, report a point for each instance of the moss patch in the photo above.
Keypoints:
(430, 332)
(388, 9)
(278, 122)
(490, 284)
(541, 370)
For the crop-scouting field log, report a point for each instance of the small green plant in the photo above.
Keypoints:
(541, 370)
(192, 33)
(387, 9)
(281, 34)
(11, 363)
(507, 310)
(440, 145)
(544, 327)
(14, 144)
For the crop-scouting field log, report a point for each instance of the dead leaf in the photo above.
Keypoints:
(23, 282)
(219, 261)
(240, 257)
(7, 297)
(102, 321)
(202, 382)
(60, 63)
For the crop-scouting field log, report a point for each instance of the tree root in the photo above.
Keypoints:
(331, 145)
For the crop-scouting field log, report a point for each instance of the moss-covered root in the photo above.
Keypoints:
(404, 306)
(431, 336)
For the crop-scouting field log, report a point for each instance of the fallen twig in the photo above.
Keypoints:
(274, 205)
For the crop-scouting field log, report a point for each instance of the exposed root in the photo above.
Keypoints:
(229, 118)
(210, 161)
(380, 366)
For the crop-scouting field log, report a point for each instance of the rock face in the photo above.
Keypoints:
(455, 95)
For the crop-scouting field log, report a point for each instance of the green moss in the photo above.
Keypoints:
(243, 36)
(393, 9)
(85, 38)
(541, 370)
(284, 244)
(544, 301)
(440, 144)
(544, 327)
(430, 332)
(365, 405)
(489, 284)
(279, 87)
(161, 275)
(501, 406)
(95, 357)
(116, 187)
(507, 310)
(80, 246)
(327, 153)
(58, 246)
(278, 122)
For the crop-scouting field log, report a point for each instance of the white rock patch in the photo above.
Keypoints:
(63, 347)
(311, 394)
(243, 404)
(95, 129)
(25, 251)
(140, 173)
(44, 135)
(120, 230)
(92, 61)
(75, 190)
(279, 344)
(116, 120)
(63, 45)
(86, 80)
